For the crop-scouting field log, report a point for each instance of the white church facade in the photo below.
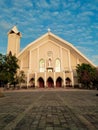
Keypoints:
(48, 61)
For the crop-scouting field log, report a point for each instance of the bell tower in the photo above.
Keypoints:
(14, 41)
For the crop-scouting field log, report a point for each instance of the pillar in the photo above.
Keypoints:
(54, 81)
(70, 69)
(64, 83)
(35, 80)
(27, 80)
(45, 80)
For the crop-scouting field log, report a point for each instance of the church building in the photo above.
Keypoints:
(47, 62)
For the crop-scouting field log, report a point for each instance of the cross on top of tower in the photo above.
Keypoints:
(49, 29)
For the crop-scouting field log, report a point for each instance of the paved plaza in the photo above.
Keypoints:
(49, 109)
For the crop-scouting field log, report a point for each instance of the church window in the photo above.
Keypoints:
(57, 65)
(42, 65)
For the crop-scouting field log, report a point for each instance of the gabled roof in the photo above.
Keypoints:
(14, 30)
(65, 43)
(32, 43)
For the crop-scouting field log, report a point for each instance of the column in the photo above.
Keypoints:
(30, 60)
(45, 80)
(64, 83)
(72, 79)
(54, 80)
(27, 79)
(38, 59)
(35, 80)
(70, 69)
(77, 61)
(61, 58)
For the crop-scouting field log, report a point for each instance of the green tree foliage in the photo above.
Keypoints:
(3, 71)
(8, 68)
(86, 74)
(19, 78)
(95, 81)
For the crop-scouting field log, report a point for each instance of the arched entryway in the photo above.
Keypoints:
(50, 82)
(59, 82)
(41, 82)
(68, 82)
(32, 82)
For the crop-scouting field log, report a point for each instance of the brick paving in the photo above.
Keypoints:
(49, 109)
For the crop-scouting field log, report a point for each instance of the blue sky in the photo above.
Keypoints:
(76, 21)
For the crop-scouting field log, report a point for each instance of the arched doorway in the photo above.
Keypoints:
(50, 83)
(32, 82)
(59, 82)
(41, 82)
(68, 82)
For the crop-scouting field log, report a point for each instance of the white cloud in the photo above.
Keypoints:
(21, 4)
(86, 13)
(95, 59)
(85, 50)
(42, 4)
(4, 25)
(89, 52)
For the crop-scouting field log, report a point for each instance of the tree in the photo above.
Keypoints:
(95, 81)
(3, 76)
(86, 74)
(8, 68)
(20, 77)
(12, 66)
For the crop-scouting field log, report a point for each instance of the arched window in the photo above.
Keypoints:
(42, 65)
(57, 65)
